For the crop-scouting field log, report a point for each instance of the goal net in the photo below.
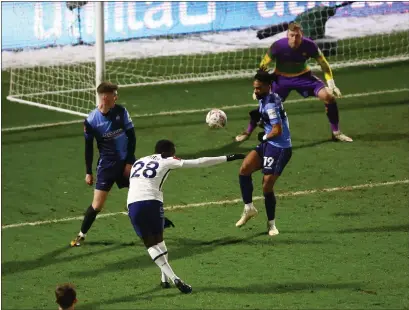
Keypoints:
(48, 48)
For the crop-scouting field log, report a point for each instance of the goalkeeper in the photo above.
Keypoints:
(290, 56)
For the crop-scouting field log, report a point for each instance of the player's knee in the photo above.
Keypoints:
(245, 169)
(331, 99)
(97, 206)
(326, 96)
(268, 187)
(268, 183)
(149, 241)
(98, 203)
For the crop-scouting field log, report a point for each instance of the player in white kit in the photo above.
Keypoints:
(145, 201)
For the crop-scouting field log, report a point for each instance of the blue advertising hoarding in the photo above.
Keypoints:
(41, 24)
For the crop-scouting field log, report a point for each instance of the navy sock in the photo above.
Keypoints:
(246, 186)
(89, 218)
(333, 115)
(270, 203)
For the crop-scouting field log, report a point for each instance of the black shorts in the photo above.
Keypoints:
(110, 172)
(274, 158)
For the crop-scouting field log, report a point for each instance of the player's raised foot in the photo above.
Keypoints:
(246, 216)
(165, 285)
(339, 136)
(183, 287)
(272, 230)
(242, 137)
(77, 241)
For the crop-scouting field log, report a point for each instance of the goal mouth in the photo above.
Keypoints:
(224, 46)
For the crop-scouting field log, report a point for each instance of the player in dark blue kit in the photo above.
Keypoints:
(113, 130)
(271, 155)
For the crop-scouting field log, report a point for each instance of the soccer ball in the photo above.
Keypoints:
(216, 118)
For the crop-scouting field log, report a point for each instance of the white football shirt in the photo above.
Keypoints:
(149, 173)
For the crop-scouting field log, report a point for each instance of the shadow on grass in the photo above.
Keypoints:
(271, 288)
(187, 247)
(52, 257)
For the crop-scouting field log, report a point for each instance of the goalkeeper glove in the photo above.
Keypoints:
(235, 157)
(334, 90)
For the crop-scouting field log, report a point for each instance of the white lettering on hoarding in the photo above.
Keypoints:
(295, 9)
(203, 19)
(133, 23)
(277, 9)
(72, 23)
(310, 4)
(166, 18)
(56, 30)
(119, 16)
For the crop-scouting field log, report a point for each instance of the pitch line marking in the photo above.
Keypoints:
(222, 202)
(177, 112)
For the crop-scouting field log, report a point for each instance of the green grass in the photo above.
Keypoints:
(338, 250)
(180, 67)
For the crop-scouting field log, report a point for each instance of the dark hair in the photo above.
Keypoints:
(264, 77)
(65, 295)
(164, 146)
(106, 87)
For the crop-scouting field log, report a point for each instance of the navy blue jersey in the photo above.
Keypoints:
(109, 131)
(272, 112)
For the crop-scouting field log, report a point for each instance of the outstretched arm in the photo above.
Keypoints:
(209, 161)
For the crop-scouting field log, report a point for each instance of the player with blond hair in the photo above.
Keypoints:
(290, 56)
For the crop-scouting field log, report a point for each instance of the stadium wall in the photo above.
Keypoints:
(45, 24)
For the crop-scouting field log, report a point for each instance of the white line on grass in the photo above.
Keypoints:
(177, 112)
(221, 202)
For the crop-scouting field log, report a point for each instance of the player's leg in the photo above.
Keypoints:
(332, 112)
(275, 161)
(270, 202)
(310, 85)
(250, 164)
(90, 215)
(106, 175)
(147, 218)
(254, 119)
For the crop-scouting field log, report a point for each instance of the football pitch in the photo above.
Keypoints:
(342, 209)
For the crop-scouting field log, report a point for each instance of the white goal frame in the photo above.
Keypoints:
(99, 68)
(100, 61)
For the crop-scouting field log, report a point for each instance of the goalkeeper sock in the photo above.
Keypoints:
(89, 218)
(246, 187)
(160, 259)
(332, 114)
(250, 128)
(270, 204)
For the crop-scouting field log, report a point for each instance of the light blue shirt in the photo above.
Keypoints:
(272, 112)
(109, 131)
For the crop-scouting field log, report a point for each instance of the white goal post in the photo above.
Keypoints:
(56, 54)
